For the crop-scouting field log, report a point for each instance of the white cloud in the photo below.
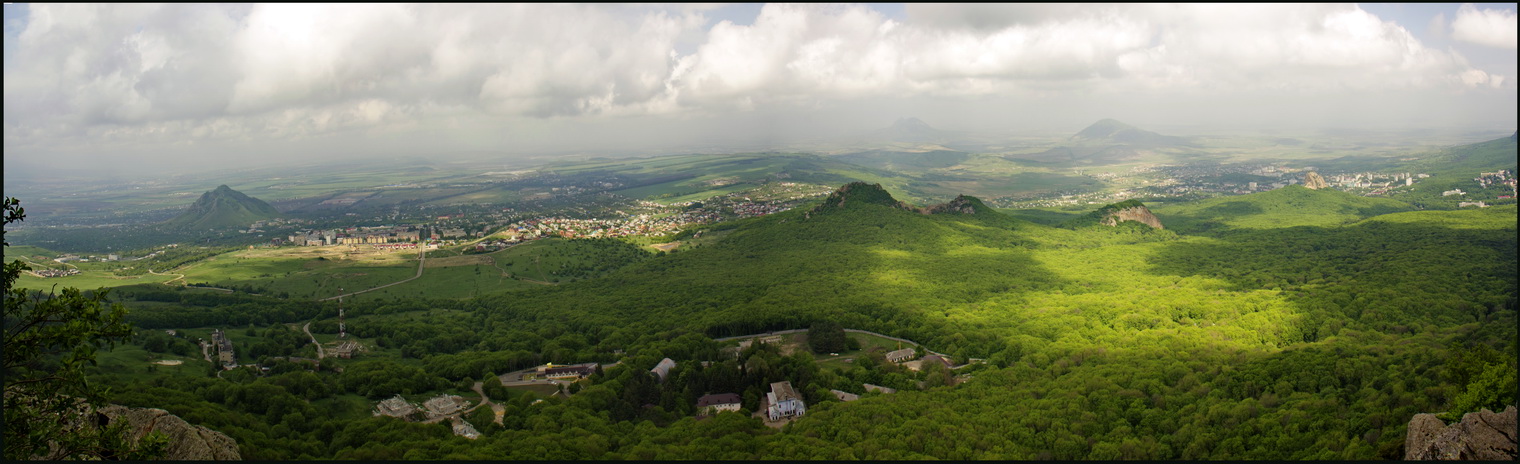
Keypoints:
(1494, 28)
(91, 73)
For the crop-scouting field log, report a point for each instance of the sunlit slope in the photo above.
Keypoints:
(1139, 343)
(953, 278)
(1289, 206)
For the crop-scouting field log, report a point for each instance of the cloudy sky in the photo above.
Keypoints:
(137, 85)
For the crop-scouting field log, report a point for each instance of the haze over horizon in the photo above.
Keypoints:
(113, 87)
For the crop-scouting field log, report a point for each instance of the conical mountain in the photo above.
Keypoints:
(911, 130)
(223, 208)
(1109, 130)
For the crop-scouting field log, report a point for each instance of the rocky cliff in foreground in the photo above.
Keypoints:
(186, 442)
(1483, 435)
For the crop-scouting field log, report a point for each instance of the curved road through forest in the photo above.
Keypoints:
(307, 328)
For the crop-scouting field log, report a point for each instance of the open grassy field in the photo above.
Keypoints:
(134, 362)
(88, 280)
(305, 272)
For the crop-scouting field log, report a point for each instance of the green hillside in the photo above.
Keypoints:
(1455, 168)
(909, 161)
(1289, 206)
(1280, 340)
(223, 208)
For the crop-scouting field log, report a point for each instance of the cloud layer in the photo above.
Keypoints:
(1494, 28)
(100, 75)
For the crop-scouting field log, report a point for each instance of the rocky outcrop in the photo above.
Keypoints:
(1139, 214)
(1483, 435)
(962, 204)
(1313, 181)
(186, 442)
(861, 193)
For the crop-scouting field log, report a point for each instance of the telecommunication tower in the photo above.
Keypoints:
(342, 329)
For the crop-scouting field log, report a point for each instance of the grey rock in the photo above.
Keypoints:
(186, 441)
(1483, 435)
(1138, 214)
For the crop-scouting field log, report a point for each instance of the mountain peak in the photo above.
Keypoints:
(860, 193)
(1115, 213)
(911, 130)
(223, 207)
(1111, 130)
(962, 204)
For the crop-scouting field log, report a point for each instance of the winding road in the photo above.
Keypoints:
(307, 329)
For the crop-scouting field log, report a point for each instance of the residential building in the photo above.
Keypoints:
(718, 402)
(396, 407)
(443, 405)
(783, 401)
(879, 388)
(903, 355)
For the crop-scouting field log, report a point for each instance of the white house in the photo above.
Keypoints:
(783, 401)
(718, 402)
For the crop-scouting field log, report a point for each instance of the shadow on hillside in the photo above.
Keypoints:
(1211, 219)
(1385, 274)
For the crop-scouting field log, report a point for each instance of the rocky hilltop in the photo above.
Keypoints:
(1483, 435)
(1113, 214)
(1313, 181)
(962, 204)
(862, 193)
(186, 442)
(1138, 214)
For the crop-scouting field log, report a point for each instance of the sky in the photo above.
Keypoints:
(149, 87)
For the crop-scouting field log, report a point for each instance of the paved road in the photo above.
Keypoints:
(421, 259)
(307, 328)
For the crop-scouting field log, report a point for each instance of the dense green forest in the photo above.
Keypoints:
(1233, 339)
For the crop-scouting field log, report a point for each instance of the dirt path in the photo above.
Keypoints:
(170, 281)
(307, 329)
(421, 260)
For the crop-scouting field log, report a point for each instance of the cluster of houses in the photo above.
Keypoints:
(356, 235)
(782, 402)
(55, 272)
(435, 408)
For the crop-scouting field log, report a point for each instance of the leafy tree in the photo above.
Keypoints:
(48, 340)
(827, 337)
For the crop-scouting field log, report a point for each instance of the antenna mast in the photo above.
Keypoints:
(342, 329)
